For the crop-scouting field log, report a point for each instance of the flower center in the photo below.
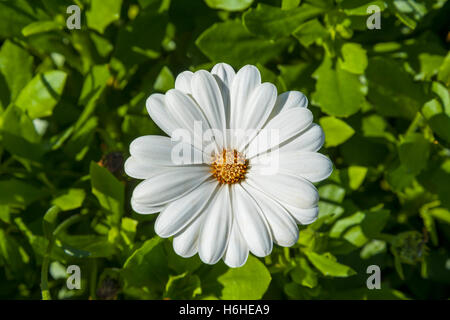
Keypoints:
(229, 166)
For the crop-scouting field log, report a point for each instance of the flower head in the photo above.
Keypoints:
(235, 173)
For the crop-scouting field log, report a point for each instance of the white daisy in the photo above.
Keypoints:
(228, 205)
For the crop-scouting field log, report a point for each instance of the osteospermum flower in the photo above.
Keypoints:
(223, 199)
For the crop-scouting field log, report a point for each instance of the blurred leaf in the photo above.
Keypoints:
(353, 58)
(134, 45)
(392, 90)
(304, 275)
(247, 282)
(218, 43)
(338, 92)
(183, 286)
(437, 111)
(327, 264)
(373, 248)
(12, 255)
(414, 152)
(272, 22)
(359, 7)
(311, 32)
(49, 221)
(229, 5)
(70, 199)
(336, 131)
(83, 246)
(40, 27)
(16, 66)
(147, 266)
(444, 71)
(165, 80)
(19, 193)
(289, 4)
(14, 15)
(374, 222)
(108, 190)
(102, 13)
(42, 93)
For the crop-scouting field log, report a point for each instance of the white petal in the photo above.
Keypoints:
(312, 166)
(183, 82)
(283, 227)
(237, 250)
(293, 190)
(257, 110)
(311, 139)
(143, 208)
(158, 111)
(245, 81)
(224, 75)
(252, 223)
(206, 92)
(290, 99)
(139, 169)
(302, 216)
(170, 184)
(181, 212)
(279, 129)
(162, 151)
(184, 109)
(185, 243)
(216, 227)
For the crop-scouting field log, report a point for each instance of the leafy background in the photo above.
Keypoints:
(71, 101)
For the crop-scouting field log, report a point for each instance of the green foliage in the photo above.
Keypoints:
(71, 101)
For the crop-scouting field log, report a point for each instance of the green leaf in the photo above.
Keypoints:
(13, 255)
(374, 222)
(218, 43)
(248, 282)
(359, 7)
(441, 214)
(49, 221)
(183, 286)
(109, 191)
(102, 13)
(16, 66)
(19, 193)
(40, 27)
(355, 176)
(70, 199)
(343, 224)
(289, 4)
(42, 93)
(437, 111)
(19, 136)
(165, 80)
(304, 275)
(353, 58)
(338, 92)
(272, 22)
(311, 32)
(373, 248)
(84, 246)
(392, 91)
(444, 71)
(414, 152)
(147, 266)
(336, 131)
(14, 16)
(229, 5)
(327, 264)
(134, 45)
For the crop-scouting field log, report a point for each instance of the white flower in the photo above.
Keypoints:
(227, 205)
